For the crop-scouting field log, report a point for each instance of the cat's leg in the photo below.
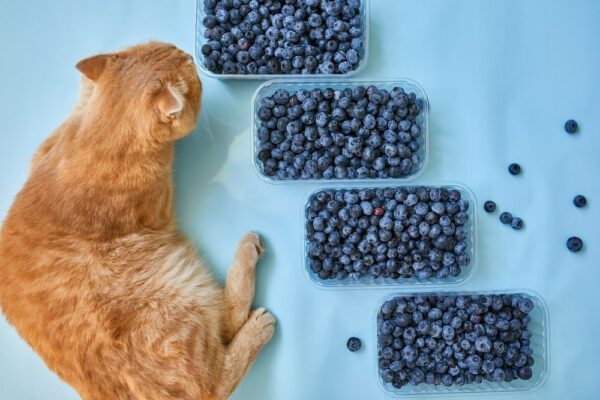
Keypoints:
(240, 283)
(244, 348)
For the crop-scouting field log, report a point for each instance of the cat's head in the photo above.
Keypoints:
(155, 84)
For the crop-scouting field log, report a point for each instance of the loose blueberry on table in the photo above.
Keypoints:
(489, 206)
(571, 126)
(514, 169)
(283, 37)
(419, 232)
(353, 344)
(574, 244)
(352, 133)
(516, 223)
(506, 218)
(454, 340)
(580, 201)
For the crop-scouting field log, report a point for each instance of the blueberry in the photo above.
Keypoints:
(516, 223)
(524, 373)
(353, 344)
(571, 126)
(514, 169)
(574, 244)
(447, 380)
(489, 206)
(506, 217)
(327, 67)
(498, 375)
(461, 218)
(369, 121)
(434, 314)
(483, 344)
(281, 96)
(448, 332)
(409, 353)
(580, 201)
(345, 67)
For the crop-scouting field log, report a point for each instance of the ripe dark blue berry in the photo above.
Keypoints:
(574, 244)
(489, 206)
(525, 373)
(571, 126)
(506, 217)
(353, 344)
(514, 169)
(580, 201)
(516, 223)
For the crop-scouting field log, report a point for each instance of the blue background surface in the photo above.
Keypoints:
(501, 76)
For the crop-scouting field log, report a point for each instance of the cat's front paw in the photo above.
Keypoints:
(251, 239)
(263, 324)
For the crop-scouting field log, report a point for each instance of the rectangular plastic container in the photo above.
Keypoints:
(404, 283)
(201, 40)
(268, 88)
(540, 344)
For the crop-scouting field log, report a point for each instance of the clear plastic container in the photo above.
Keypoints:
(268, 88)
(404, 283)
(201, 40)
(539, 342)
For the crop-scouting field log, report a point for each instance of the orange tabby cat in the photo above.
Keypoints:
(93, 273)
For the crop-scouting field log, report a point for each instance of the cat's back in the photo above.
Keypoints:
(76, 300)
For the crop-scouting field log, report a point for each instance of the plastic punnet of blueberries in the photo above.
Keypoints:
(250, 37)
(454, 339)
(375, 235)
(359, 132)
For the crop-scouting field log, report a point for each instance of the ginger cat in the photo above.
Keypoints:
(94, 275)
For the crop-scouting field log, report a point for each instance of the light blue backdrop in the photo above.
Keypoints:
(502, 77)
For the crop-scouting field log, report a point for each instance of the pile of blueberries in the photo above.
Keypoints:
(352, 133)
(450, 339)
(391, 233)
(283, 37)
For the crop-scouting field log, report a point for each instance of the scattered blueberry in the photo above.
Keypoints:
(580, 201)
(506, 217)
(516, 223)
(347, 133)
(514, 169)
(454, 340)
(387, 234)
(574, 244)
(353, 344)
(571, 126)
(283, 36)
(489, 206)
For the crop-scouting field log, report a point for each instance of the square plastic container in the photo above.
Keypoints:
(539, 342)
(404, 283)
(268, 88)
(201, 40)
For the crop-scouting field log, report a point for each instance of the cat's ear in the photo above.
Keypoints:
(92, 67)
(169, 102)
